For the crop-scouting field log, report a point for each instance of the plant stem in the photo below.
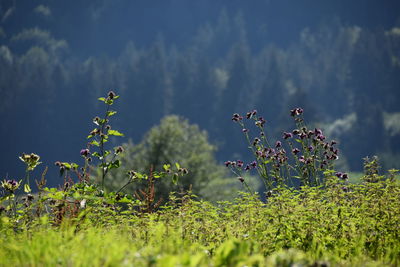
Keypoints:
(103, 160)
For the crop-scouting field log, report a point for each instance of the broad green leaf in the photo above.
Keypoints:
(67, 165)
(141, 176)
(158, 175)
(94, 143)
(103, 99)
(115, 133)
(27, 188)
(74, 166)
(175, 179)
(111, 113)
(114, 165)
(124, 200)
(177, 165)
(167, 167)
(96, 154)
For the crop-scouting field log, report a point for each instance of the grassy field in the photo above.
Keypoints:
(356, 225)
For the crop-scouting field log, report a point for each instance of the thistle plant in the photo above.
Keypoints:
(99, 136)
(304, 156)
(31, 161)
(11, 186)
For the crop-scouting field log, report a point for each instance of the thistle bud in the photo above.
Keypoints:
(111, 95)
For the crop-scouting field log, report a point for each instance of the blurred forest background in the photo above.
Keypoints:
(202, 60)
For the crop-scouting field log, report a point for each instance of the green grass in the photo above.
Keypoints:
(357, 226)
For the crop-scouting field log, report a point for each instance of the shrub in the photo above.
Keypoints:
(176, 140)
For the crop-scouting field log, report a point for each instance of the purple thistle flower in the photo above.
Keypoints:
(253, 164)
(256, 141)
(236, 117)
(12, 182)
(227, 163)
(10, 185)
(296, 112)
(247, 167)
(85, 152)
(111, 95)
(241, 179)
(261, 121)
(250, 114)
(287, 135)
(310, 148)
(300, 111)
(278, 144)
(345, 176)
(302, 159)
(317, 131)
(295, 151)
(303, 135)
(259, 153)
(339, 174)
(119, 149)
(296, 132)
(239, 163)
(245, 130)
(333, 142)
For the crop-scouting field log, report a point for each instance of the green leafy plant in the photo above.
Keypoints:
(99, 136)
(31, 161)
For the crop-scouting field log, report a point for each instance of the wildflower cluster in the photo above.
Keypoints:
(304, 155)
(31, 160)
(10, 185)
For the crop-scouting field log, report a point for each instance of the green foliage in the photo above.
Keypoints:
(176, 140)
(332, 226)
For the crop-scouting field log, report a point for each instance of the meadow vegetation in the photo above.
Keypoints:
(309, 214)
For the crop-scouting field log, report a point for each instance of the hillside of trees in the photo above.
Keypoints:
(204, 61)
